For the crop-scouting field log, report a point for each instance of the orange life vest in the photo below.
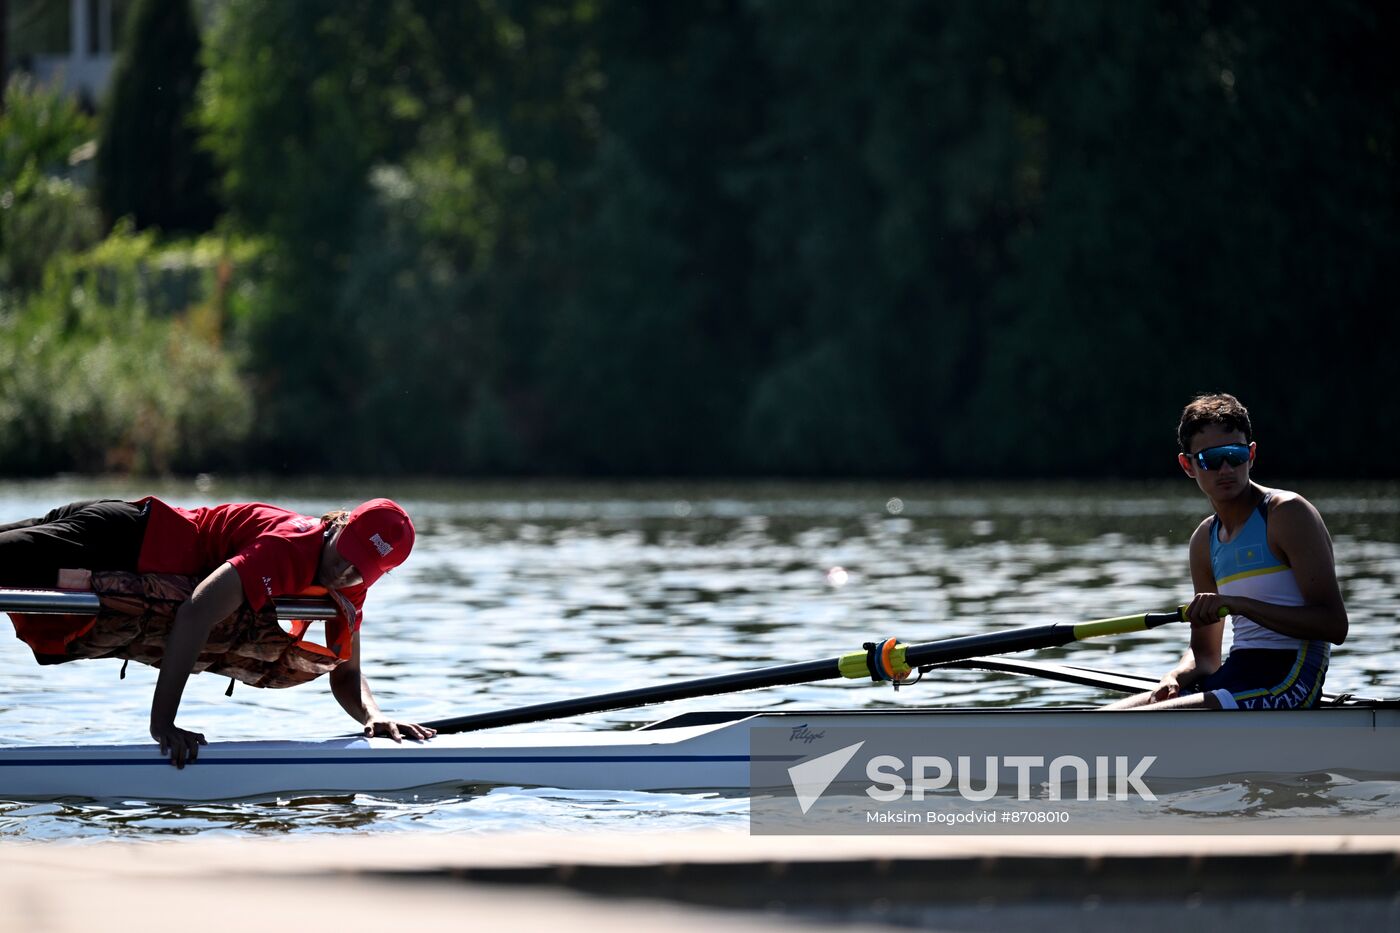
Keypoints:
(134, 623)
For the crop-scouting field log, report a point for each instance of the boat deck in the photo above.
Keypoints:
(715, 751)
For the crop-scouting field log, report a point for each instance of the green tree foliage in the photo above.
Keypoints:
(39, 129)
(43, 212)
(118, 363)
(644, 364)
(729, 236)
(150, 166)
(1216, 204)
(401, 221)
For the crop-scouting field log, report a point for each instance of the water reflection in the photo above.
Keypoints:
(447, 809)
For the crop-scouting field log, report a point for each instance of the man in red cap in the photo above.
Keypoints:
(241, 552)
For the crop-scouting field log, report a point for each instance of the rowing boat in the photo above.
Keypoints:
(713, 751)
(739, 751)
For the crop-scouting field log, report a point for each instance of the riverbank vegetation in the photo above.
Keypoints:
(729, 237)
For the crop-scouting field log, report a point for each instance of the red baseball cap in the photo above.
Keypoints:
(376, 539)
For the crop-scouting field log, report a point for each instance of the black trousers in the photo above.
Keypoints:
(100, 534)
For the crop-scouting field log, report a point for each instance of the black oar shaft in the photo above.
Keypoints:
(939, 652)
(1032, 638)
(1025, 639)
(1021, 639)
(1103, 680)
(1044, 636)
(787, 674)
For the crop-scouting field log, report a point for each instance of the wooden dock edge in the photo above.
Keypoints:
(704, 881)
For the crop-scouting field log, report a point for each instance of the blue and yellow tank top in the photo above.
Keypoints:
(1246, 566)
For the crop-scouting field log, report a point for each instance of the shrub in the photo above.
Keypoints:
(100, 371)
(43, 211)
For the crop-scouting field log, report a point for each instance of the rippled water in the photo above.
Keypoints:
(521, 593)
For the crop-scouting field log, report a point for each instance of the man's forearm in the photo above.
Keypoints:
(352, 692)
(188, 633)
(1318, 623)
(1192, 668)
(213, 600)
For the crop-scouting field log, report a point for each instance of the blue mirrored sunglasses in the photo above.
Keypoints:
(1212, 457)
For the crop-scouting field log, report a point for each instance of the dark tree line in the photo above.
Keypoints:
(811, 238)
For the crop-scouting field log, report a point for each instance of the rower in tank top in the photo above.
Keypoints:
(1265, 669)
(1263, 560)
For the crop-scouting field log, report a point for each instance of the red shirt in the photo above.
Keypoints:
(274, 551)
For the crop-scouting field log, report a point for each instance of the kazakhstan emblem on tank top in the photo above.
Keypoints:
(1249, 555)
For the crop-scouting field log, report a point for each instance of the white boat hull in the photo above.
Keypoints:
(709, 755)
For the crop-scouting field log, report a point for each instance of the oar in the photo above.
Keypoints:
(80, 603)
(1104, 680)
(1120, 681)
(860, 664)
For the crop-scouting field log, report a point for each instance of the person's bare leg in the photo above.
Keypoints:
(1141, 701)
(1132, 702)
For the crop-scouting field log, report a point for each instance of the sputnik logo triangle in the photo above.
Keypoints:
(811, 778)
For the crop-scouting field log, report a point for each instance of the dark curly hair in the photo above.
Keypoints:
(1215, 408)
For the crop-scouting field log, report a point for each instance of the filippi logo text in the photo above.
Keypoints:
(805, 735)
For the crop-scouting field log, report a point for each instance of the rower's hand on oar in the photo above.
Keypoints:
(1207, 609)
(179, 745)
(1168, 688)
(397, 731)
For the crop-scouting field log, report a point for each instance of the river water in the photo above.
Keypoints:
(518, 593)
